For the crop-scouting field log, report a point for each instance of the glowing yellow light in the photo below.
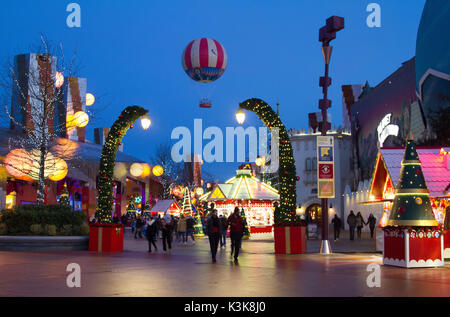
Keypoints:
(158, 170)
(145, 122)
(136, 169)
(240, 116)
(372, 197)
(260, 161)
(146, 170)
(59, 171)
(90, 99)
(49, 164)
(81, 119)
(199, 191)
(59, 79)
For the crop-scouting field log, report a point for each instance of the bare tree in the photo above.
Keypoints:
(38, 115)
(173, 171)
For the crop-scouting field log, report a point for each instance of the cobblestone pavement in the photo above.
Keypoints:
(187, 271)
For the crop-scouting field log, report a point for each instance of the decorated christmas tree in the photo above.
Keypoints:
(246, 232)
(131, 209)
(412, 206)
(198, 227)
(187, 205)
(147, 209)
(64, 199)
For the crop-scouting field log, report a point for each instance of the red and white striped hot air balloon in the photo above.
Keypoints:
(204, 60)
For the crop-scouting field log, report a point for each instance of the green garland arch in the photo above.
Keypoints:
(108, 158)
(286, 214)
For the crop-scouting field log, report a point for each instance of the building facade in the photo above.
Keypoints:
(304, 146)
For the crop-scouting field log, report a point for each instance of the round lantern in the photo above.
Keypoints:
(49, 163)
(260, 161)
(136, 169)
(157, 170)
(59, 79)
(90, 99)
(177, 191)
(18, 162)
(199, 191)
(146, 170)
(59, 170)
(81, 119)
(120, 170)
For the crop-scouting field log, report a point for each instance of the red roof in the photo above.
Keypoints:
(435, 167)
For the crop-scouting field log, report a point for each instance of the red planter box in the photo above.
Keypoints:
(404, 248)
(290, 240)
(106, 237)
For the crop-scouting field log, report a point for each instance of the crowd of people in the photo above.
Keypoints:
(168, 228)
(355, 222)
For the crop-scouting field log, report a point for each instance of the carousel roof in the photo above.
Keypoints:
(435, 167)
(242, 187)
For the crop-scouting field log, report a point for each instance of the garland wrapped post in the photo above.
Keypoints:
(285, 215)
(107, 161)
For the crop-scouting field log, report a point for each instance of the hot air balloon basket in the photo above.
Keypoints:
(106, 237)
(411, 248)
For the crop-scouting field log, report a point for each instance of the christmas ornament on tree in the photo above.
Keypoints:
(64, 199)
(412, 206)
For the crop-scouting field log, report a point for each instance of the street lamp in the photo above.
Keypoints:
(240, 116)
(145, 122)
(327, 33)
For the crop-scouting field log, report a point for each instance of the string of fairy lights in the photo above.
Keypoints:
(107, 161)
(285, 215)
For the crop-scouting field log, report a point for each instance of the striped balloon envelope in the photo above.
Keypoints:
(204, 60)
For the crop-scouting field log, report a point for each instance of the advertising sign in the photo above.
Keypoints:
(325, 170)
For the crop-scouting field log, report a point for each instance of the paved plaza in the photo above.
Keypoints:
(188, 271)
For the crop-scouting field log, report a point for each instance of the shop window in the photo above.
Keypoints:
(314, 191)
(314, 164)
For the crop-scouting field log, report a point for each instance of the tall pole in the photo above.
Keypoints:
(326, 35)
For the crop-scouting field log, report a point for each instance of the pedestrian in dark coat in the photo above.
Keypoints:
(359, 224)
(337, 226)
(166, 225)
(213, 231)
(351, 221)
(371, 221)
(236, 224)
(150, 233)
(223, 231)
(139, 226)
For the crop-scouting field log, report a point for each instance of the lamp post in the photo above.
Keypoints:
(327, 33)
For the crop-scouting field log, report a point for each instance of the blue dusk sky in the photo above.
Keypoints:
(130, 52)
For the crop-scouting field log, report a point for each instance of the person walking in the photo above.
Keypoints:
(190, 222)
(150, 232)
(182, 228)
(371, 221)
(139, 226)
(166, 227)
(351, 221)
(236, 224)
(359, 224)
(336, 221)
(133, 225)
(213, 231)
(124, 220)
(223, 231)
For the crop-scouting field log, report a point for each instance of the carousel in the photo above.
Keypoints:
(247, 192)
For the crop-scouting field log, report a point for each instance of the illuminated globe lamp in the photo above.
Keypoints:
(145, 122)
(240, 116)
(199, 191)
(158, 170)
(60, 170)
(146, 170)
(177, 191)
(18, 163)
(81, 119)
(59, 79)
(136, 169)
(260, 161)
(90, 99)
(49, 163)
